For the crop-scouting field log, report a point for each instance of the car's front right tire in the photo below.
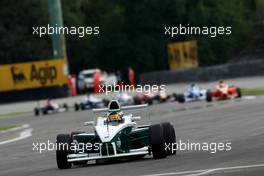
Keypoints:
(63, 149)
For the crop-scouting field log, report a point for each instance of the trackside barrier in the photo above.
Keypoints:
(30, 75)
(204, 74)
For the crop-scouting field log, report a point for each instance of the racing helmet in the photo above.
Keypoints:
(221, 83)
(114, 111)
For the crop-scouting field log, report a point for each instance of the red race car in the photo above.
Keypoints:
(223, 92)
(145, 97)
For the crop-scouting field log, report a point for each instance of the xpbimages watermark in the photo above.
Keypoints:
(147, 89)
(51, 146)
(212, 31)
(80, 31)
(212, 147)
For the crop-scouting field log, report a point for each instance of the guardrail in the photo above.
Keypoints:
(204, 74)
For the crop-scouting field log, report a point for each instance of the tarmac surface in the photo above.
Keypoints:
(240, 122)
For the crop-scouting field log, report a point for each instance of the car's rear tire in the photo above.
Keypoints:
(137, 101)
(63, 149)
(169, 137)
(65, 106)
(157, 141)
(174, 95)
(181, 98)
(150, 101)
(76, 107)
(44, 111)
(82, 106)
(239, 93)
(209, 96)
(36, 111)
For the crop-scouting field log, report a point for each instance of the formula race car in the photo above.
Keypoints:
(145, 98)
(50, 108)
(90, 102)
(194, 93)
(150, 98)
(224, 92)
(163, 96)
(125, 99)
(116, 135)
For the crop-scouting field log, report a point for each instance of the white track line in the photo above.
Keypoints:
(23, 135)
(208, 171)
(177, 173)
(249, 97)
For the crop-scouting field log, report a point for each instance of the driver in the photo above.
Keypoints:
(114, 111)
(50, 104)
(221, 85)
(193, 90)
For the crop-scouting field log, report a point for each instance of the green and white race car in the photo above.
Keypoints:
(116, 135)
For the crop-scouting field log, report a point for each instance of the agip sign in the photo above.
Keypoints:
(33, 75)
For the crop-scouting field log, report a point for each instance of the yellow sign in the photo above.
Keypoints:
(183, 55)
(33, 75)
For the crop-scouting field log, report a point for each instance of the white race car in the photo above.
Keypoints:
(125, 99)
(116, 135)
(90, 102)
(193, 93)
(50, 108)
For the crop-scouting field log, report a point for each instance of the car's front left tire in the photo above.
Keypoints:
(157, 141)
(63, 149)
(169, 137)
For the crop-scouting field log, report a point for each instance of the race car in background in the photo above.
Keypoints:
(193, 93)
(224, 92)
(116, 135)
(85, 80)
(124, 99)
(90, 102)
(163, 96)
(50, 108)
(150, 98)
(145, 98)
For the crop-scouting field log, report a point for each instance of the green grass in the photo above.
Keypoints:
(252, 92)
(7, 127)
(13, 114)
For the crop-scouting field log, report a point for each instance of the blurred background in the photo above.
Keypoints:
(131, 36)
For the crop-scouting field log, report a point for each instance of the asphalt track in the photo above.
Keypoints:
(241, 122)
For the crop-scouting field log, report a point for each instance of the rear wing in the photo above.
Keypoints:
(122, 108)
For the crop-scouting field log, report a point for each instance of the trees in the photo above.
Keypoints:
(131, 32)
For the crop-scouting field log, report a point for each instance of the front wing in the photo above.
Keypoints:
(95, 156)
